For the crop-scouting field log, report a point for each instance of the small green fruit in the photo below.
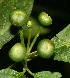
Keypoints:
(17, 52)
(44, 19)
(18, 17)
(45, 48)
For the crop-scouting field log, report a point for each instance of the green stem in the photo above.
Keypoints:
(29, 71)
(33, 42)
(21, 36)
(29, 38)
(11, 66)
(29, 47)
(24, 70)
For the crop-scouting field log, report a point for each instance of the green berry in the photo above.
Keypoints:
(18, 17)
(45, 48)
(44, 19)
(17, 52)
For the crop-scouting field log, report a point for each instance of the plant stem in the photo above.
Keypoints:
(21, 36)
(29, 71)
(29, 47)
(33, 42)
(29, 37)
(11, 66)
(24, 70)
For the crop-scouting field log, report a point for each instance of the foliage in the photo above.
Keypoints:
(9, 73)
(6, 7)
(62, 44)
(61, 41)
(48, 74)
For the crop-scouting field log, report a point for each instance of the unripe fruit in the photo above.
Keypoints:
(17, 52)
(18, 17)
(45, 48)
(44, 19)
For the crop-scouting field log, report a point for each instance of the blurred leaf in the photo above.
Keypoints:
(35, 28)
(48, 74)
(62, 45)
(9, 73)
(5, 38)
(6, 6)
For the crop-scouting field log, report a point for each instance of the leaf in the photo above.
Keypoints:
(65, 34)
(62, 45)
(5, 38)
(48, 74)
(9, 73)
(6, 6)
(1, 2)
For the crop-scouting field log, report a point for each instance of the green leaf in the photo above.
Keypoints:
(6, 6)
(7, 36)
(62, 45)
(47, 74)
(9, 73)
(65, 34)
(1, 2)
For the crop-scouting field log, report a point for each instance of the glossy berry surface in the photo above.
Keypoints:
(45, 48)
(18, 17)
(44, 19)
(17, 52)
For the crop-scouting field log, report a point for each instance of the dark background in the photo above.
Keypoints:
(59, 10)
